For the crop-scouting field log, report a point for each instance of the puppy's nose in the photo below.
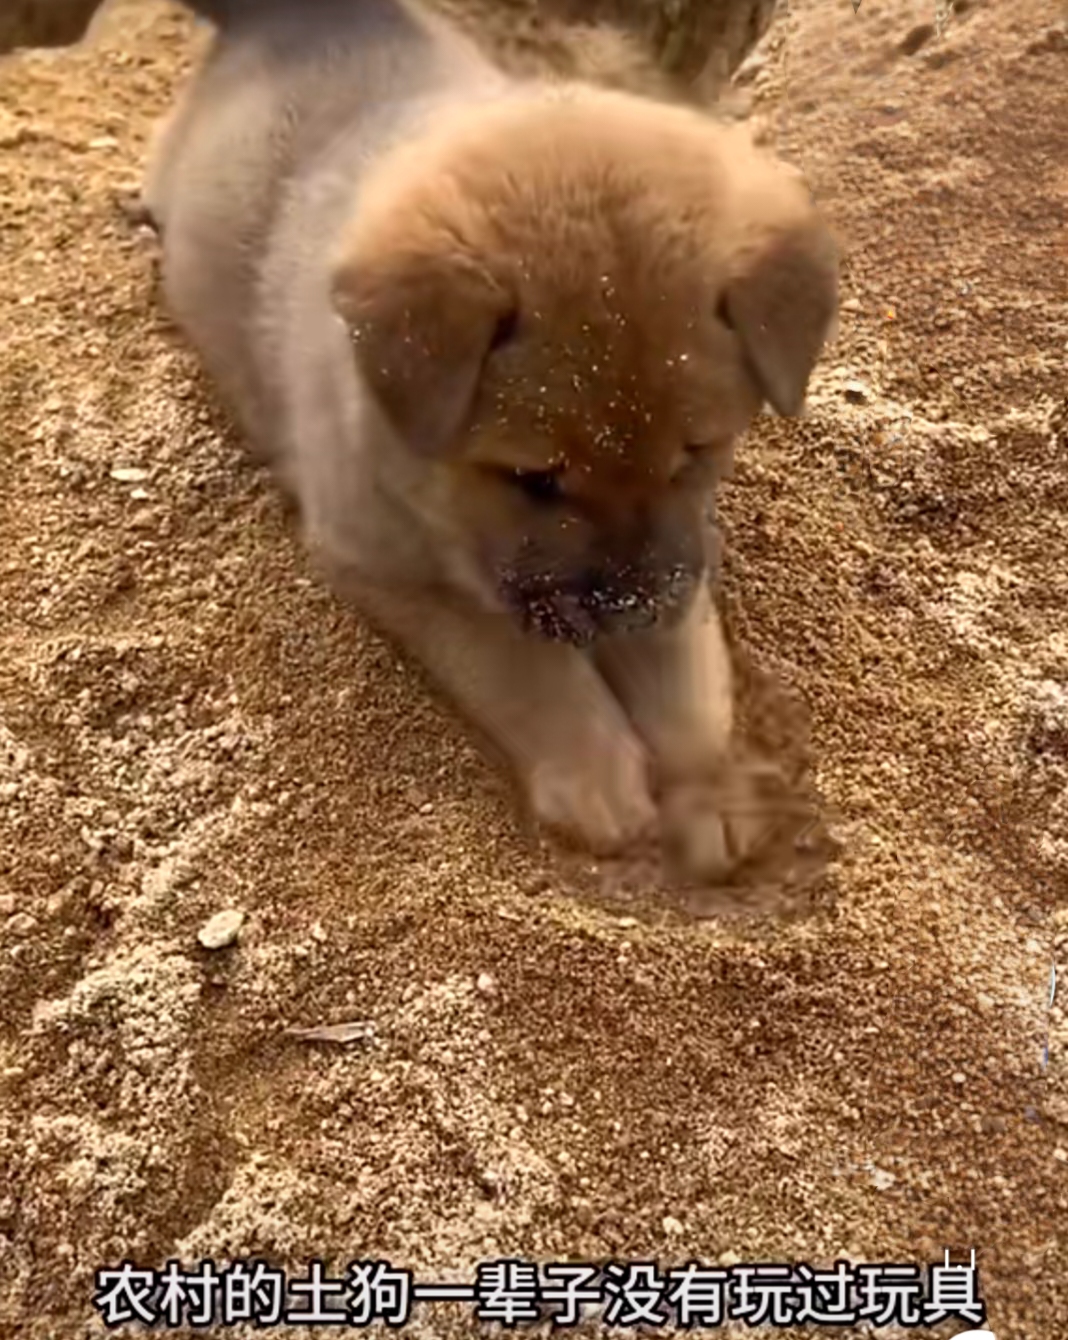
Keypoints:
(610, 601)
(628, 599)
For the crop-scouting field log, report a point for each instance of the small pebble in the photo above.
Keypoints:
(221, 929)
(856, 392)
(487, 983)
(21, 923)
(672, 1226)
(1056, 1108)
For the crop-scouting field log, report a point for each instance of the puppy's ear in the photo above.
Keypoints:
(422, 321)
(781, 302)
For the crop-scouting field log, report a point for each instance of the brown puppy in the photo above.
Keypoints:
(498, 338)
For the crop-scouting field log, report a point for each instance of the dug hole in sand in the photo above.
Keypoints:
(530, 1064)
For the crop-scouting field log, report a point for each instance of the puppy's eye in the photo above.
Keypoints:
(504, 331)
(542, 486)
(704, 461)
(697, 453)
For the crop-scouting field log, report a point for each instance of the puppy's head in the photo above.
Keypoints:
(568, 310)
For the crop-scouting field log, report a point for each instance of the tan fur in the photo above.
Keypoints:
(499, 343)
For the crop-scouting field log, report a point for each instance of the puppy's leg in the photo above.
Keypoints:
(543, 704)
(675, 685)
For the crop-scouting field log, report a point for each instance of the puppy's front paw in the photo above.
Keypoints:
(599, 801)
(714, 826)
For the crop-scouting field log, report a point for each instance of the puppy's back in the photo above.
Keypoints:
(293, 96)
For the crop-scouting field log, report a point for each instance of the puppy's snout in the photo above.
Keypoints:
(603, 601)
(620, 598)
(617, 584)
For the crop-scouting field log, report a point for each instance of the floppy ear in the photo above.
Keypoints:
(780, 302)
(421, 324)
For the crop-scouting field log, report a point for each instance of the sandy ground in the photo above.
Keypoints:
(552, 1068)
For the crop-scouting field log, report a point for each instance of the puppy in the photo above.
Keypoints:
(497, 337)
